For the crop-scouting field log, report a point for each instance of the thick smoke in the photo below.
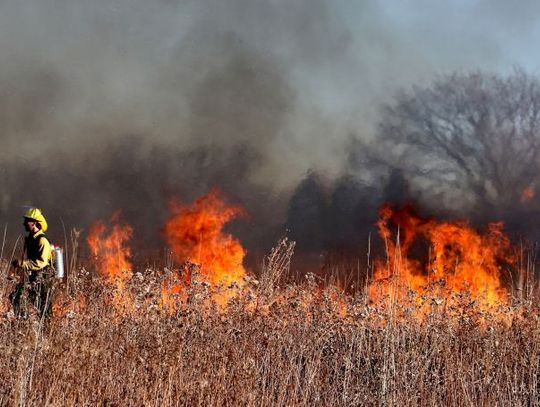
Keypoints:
(121, 105)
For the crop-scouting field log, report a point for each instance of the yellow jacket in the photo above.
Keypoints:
(38, 252)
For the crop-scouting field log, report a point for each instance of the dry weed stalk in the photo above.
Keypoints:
(276, 265)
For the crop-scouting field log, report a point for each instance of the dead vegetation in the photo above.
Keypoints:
(275, 344)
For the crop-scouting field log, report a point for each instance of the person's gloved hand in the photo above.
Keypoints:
(16, 263)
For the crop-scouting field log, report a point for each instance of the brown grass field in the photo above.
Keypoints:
(289, 345)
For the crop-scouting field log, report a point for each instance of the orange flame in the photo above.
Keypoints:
(527, 194)
(461, 260)
(195, 234)
(110, 250)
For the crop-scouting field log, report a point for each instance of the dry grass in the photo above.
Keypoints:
(273, 346)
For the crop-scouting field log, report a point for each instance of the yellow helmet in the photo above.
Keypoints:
(36, 215)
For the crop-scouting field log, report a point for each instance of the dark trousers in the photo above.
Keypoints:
(37, 292)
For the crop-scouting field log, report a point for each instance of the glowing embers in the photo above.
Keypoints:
(456, 262)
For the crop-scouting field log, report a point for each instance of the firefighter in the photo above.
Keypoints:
(35, 270)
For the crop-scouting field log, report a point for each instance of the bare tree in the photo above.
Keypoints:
(477, 135)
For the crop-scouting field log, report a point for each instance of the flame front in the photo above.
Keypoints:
(459, 260)
(111, 251)
(195, 234)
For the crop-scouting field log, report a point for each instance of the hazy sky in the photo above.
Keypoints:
(77, 69)
(258, 92)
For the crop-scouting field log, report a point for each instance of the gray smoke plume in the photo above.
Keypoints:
(121, 105)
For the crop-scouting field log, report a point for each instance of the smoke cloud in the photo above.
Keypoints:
(121, 105)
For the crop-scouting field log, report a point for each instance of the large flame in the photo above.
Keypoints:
(457, 260)
(195, 234)
(109, 246)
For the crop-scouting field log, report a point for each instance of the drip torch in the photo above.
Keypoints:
(58, 261)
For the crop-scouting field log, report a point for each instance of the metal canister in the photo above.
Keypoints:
(58, 261)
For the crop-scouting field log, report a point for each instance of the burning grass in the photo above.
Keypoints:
(289, 345)
(203, 331)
